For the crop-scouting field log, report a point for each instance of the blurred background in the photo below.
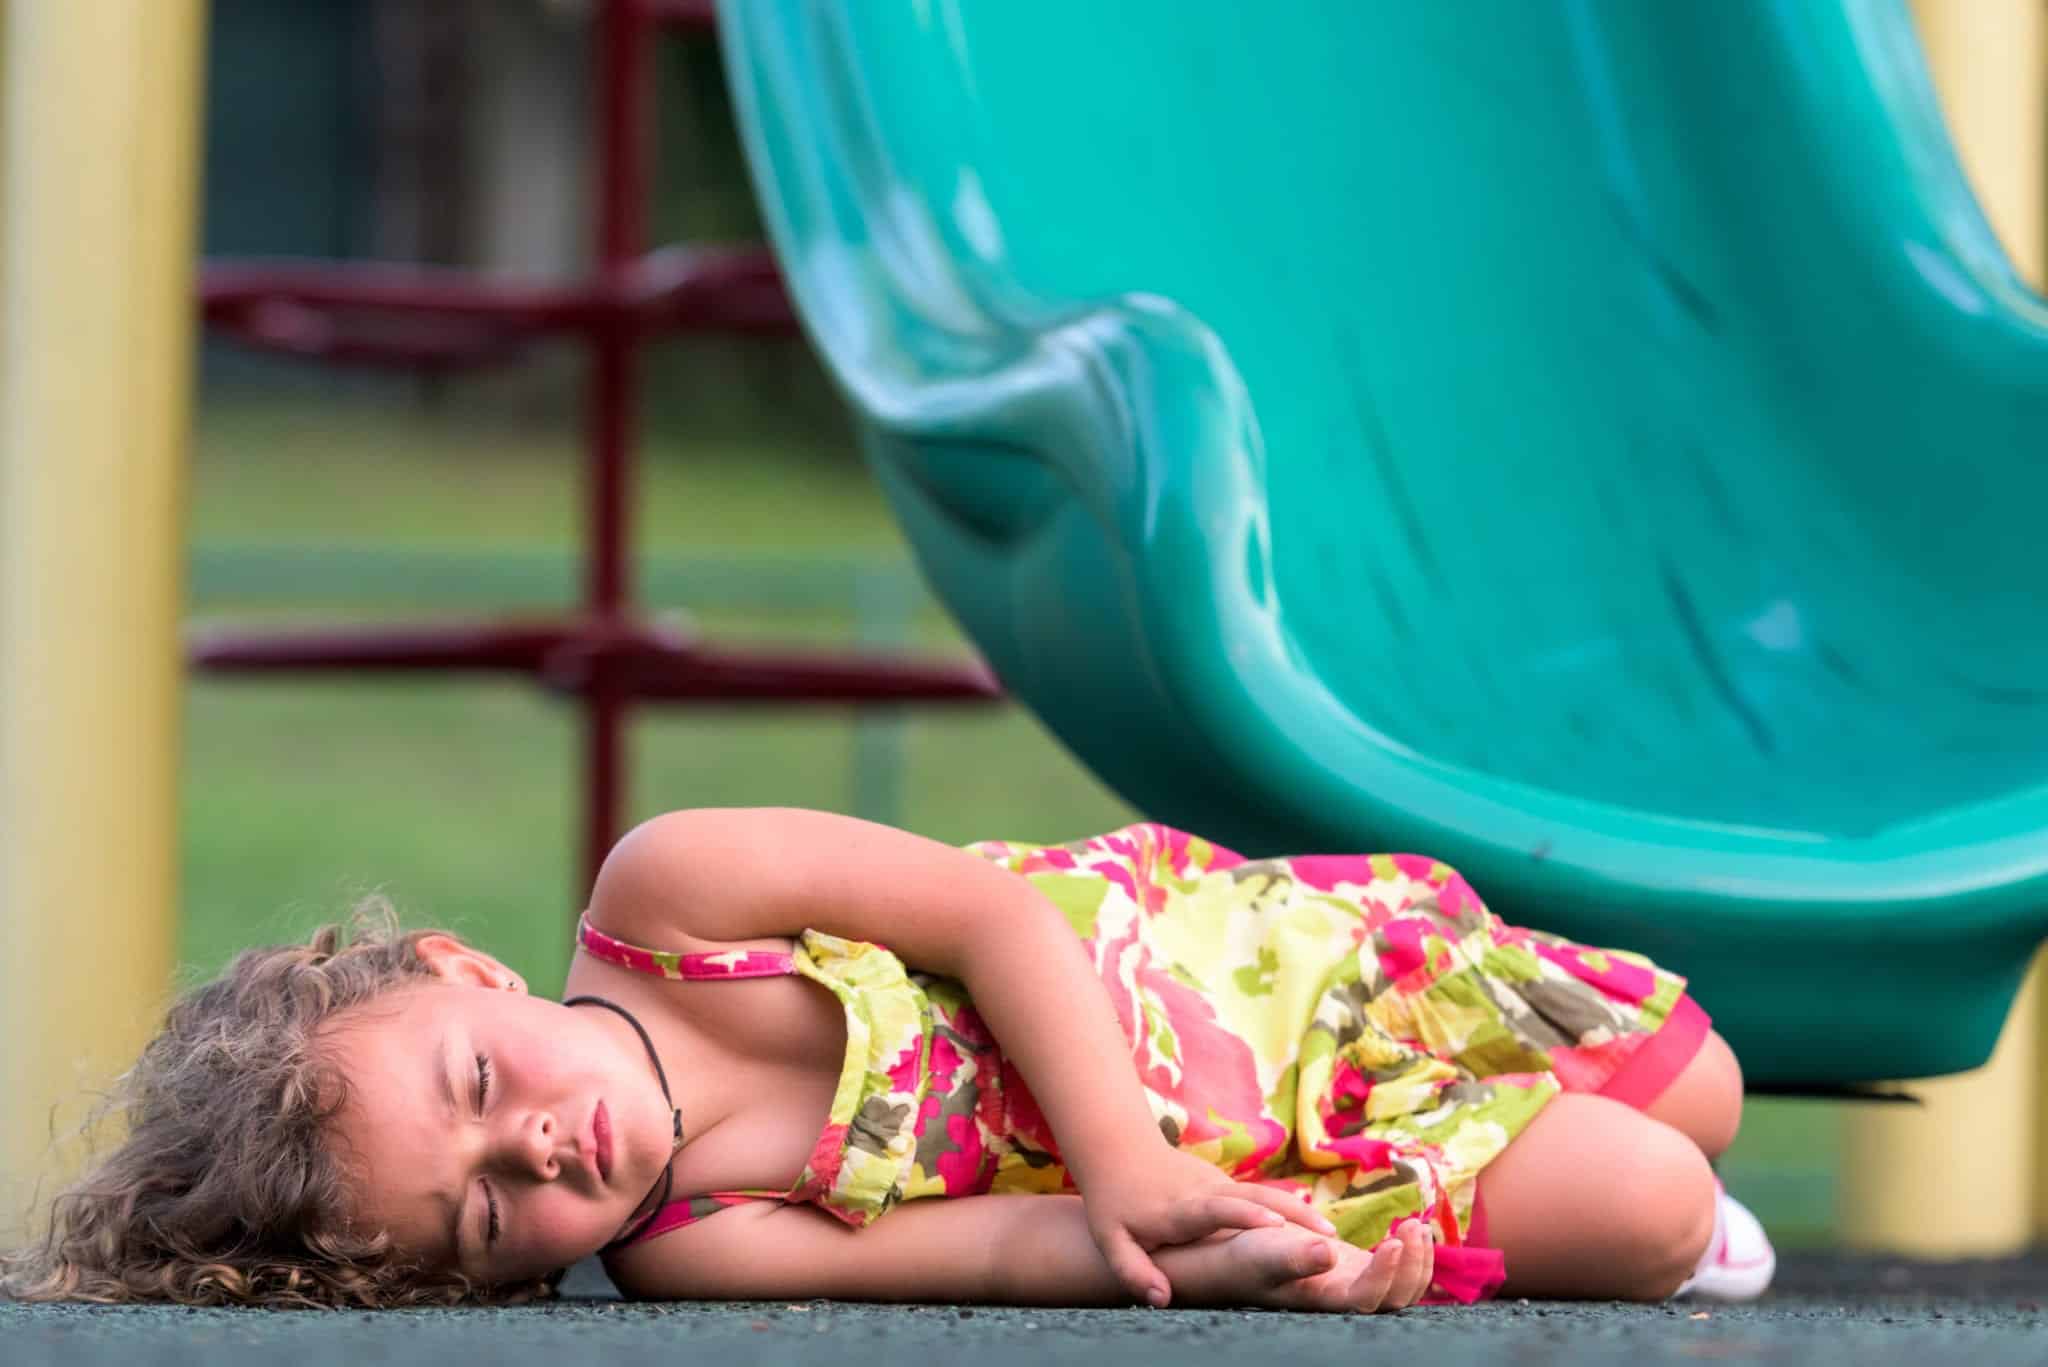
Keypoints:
(459, 133)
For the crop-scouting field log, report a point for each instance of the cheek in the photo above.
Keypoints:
(562, 1227)
(561, 1062)
(532, 1063)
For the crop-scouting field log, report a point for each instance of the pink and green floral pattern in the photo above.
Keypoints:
(1356, 1029)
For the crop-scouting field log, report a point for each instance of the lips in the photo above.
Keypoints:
(601, 1136)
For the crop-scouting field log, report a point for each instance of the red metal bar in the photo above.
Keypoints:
(675, 287)
(613, 395)
(425, 343)
(706, 674)
(411, 316)
(625, 97)
(417, 318)
(589, 659)
(482, 646)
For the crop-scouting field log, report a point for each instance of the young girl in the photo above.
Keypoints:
(1136, 1067)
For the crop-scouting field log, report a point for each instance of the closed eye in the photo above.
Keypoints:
(483, 1096)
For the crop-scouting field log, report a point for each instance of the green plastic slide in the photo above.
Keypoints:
(1597, 443)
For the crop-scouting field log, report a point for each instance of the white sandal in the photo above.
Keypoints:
(1739, 1261)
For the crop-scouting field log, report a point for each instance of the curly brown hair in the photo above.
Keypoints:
(226, 1189)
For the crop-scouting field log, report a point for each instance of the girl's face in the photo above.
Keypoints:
(494, 1133)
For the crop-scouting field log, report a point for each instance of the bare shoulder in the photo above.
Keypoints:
(663, 882)
(697, 839)
(729, 875)
(734, 877)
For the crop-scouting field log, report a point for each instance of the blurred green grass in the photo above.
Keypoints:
(458, 799)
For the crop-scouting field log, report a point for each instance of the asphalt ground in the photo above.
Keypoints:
(1824, 1310)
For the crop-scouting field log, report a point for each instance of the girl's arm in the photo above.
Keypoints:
(1005, 1250)
(704, 879)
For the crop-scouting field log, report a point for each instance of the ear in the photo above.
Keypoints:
(452, 961)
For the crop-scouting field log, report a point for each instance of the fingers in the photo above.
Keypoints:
(1244, 1206)
(1287, 1205)
(1201, 1216)
(1414, 1267)
(1368, 1290)
(1337, 1277)
(1399, 1273)
(1282, 1255)
(1140, 1278)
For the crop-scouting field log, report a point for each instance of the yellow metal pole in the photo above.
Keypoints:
(1959, 1178)
(1989, 59)
(98, 210)
(1955, 1178)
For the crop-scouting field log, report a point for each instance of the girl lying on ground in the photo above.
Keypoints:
(1135, 1068)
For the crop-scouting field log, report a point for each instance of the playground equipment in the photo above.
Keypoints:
(1777, 288)
(1354, 425)
(96, 251)
(99, 244)
(1596, 444)
(427, 320)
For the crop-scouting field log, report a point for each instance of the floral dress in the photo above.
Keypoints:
(1357, 1029)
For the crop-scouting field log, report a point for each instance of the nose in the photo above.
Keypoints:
(530, 1148)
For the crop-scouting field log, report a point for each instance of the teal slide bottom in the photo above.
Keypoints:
(1600, 445)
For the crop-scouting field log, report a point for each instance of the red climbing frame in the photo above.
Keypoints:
(444, 320)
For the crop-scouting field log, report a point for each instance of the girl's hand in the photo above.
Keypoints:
(1169, 1197)
(1288, 1269)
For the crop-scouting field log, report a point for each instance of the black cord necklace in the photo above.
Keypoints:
(668, 1177)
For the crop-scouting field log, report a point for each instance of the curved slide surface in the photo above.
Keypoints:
(1600, 445)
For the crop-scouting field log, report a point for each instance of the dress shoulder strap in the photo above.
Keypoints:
(674, 1215)
(663, 963)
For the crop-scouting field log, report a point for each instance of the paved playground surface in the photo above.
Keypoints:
(1827, 1310)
